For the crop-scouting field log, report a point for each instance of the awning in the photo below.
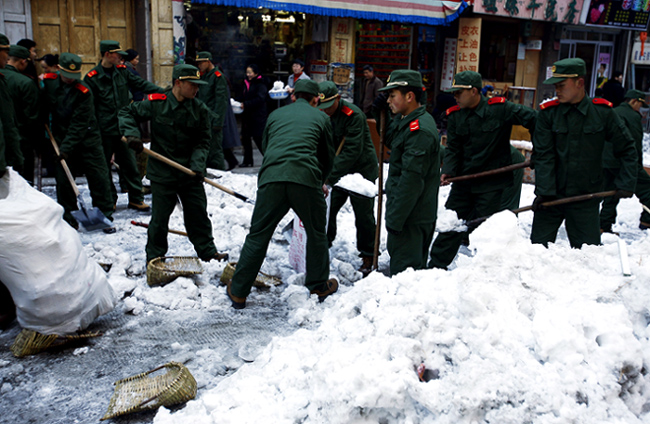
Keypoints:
(428, 12)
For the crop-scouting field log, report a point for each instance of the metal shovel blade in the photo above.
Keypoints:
(91, 219)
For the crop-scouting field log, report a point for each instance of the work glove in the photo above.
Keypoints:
(198, 177)
(623, 194)
(537, 203)
(135, 144)
(62, 156)
(393, 232)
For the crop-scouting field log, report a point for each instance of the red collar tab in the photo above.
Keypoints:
(496, 100)
(549, 103)
(121, 66)
(347, 111)
(453, 109)
(156, 96)
(599, 101)
(415, 125)
(92, 73)
(81, 88)
(50, 75)
(217, 73)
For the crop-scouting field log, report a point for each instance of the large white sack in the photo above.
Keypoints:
(56, 288)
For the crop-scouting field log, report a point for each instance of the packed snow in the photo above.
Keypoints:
(355, 183)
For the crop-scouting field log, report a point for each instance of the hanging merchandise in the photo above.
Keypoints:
(385, 47)
(342, 74)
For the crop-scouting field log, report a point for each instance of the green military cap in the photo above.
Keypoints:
(307, 86)
(18, 51)
(636, 95)
(329, 92)
(466, 80)
(187, 73)
(70, 65)
(111, 46)
(203, 56)
(403, 78)
(4, 42)
(567, 68)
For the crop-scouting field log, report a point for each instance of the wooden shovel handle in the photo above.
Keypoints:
(512, 167)
(63, 163)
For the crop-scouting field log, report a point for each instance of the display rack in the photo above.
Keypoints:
(385, 47)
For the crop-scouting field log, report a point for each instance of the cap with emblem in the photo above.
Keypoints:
(18, 51)
(307, 86)
(4, 42)
(466, 80)
(329, 92)
(111, 46)
(567, 68)
(70, 66)
(187, 73)
(636, 95)
(403, 78)
(201, 56)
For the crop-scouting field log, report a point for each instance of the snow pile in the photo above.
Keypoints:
(278, 86)
(646, 149)
(522, 144)
(355, 183)
(518, 333)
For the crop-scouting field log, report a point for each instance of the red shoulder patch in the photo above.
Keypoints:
(599, 101)
(453, 109)
(121, 66)
(217, 73)
(81, 88)
(347, 111)
(156, 96)
(92, 73)
(50, 75)
(549, 103)
(415, 125)
(496, 100)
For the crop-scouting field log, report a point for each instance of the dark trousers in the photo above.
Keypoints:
(581, 220)
(608, 208)
(364, 219)
(246, 134)
(468, 206)
(215, 155)
(273, 202)
(410, 248)
(125, 159)
(27, 149)
(195, 217)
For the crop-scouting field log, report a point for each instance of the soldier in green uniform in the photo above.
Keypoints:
(74, 125)
(568, 144)
(298, 156)
(10, 154)
(110, 82)
(24, 94)
(355, 154)
(478, 140)
(628, 111)
(180, 132)
(512, 194)
(215, 95)
(413, 175)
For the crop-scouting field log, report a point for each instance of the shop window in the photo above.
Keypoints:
(499, 43)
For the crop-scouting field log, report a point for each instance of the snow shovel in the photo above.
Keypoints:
(512, 167)
(192, 173)
(380, 189)
(91, 219)
(145, 225)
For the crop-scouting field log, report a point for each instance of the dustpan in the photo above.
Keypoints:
(164, 270)
(30, 342)
(262, 281)
(146, 391)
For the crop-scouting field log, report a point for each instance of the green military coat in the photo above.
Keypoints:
(215, 95)
(25, 95)
(112, 93)
(10, 153)
(414, 173)
(301, 154)
(632, 121)
(479, 140)
(73, 113)
(568, 148)
(179, 131)
(358, 153)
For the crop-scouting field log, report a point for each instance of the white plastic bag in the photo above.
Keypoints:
(298, 245)
(57, 289)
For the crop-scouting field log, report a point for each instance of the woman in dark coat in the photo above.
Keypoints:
(254, 114)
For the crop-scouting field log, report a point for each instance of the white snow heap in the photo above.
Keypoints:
(357, 184)
(278, 86)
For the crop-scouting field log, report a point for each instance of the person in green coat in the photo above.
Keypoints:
(355, 154)
(478, 140)
(215, 95)
(413, 174)
(110, 82)
(25, 96)
(180, 131)
(298, 156)
(10, 153)
(629, 112)
(571, 133)
(70, 104)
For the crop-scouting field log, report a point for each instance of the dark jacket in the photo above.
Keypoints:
(253, 97)
(614, 92)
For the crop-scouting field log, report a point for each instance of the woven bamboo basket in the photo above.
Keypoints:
(29, 342)
(263, 281)
(145, 391)
(164, 270)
